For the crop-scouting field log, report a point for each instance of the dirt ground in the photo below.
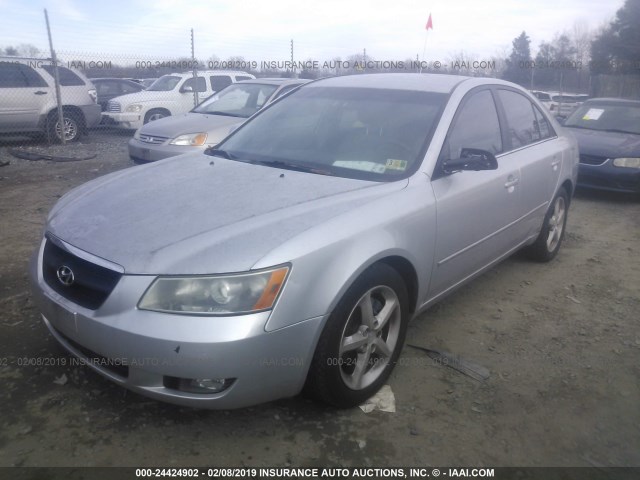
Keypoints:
(561, 340)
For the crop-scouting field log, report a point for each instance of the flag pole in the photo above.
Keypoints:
(428, 26)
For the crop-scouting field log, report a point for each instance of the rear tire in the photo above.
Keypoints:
(361, 341)
(547, 245)
(73, 126)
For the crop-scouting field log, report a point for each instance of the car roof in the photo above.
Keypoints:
(114, 78)
(275, 81)
(439, 83)
(612, 100)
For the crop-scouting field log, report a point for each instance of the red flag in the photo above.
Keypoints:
(429, 23)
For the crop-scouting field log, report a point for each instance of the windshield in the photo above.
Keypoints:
(610, 117)
(366, 133)
(237, 100)
(164, 84)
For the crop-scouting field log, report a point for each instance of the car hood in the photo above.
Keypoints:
(201, 214)
(606, 144)
(144, 96)
(216, 126)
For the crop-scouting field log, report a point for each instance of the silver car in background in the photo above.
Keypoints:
(209, 122)
(292, 256)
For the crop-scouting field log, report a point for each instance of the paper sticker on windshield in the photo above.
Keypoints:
(593, 114)
(394, 164)
(360, 165)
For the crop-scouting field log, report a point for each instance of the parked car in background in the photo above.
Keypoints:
(169, 95)
(543, 97)
(209, 122)
(608, 134)
(146, 82)
(28, 99)
(293, 255)
(563, 105)
(109, 88)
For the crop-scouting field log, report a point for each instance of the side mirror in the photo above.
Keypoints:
(186, 89)
(473, 159)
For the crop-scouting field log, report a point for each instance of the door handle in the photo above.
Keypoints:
(511, 182)
(39, 92)
(555, 163)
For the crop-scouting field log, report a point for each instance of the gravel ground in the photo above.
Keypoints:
(561, 341)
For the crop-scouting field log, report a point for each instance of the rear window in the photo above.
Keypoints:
(67, 77)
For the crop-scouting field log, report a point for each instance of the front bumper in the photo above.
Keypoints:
(129, 121)
(146, 351)
(149, 152)
(609, 177)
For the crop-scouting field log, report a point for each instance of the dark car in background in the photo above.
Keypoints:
(109, 88)
(608, 134)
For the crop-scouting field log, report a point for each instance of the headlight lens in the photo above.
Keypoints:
(134, 108)
(627, 162)
(190, 139)
(215, 295)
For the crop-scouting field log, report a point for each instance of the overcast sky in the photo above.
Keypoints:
(388, 29)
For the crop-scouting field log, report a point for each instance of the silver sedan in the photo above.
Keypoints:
(292, 256)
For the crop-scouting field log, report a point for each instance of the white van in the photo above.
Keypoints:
(28, 99)
(169, 95)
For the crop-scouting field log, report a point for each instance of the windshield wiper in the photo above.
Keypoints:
(292, 166)
(217, 152)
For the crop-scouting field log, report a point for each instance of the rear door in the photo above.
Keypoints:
(533, 146)
(475, 210)
(23, 93)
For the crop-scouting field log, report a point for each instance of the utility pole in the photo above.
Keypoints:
(293, 67)
(56, 77)
(196, 100)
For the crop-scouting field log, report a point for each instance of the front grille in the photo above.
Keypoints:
(153, 139)
(592, 159)
(91, 284)
(114, 107)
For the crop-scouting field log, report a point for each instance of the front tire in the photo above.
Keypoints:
(547, 245)
(155, 114)
(362, 340)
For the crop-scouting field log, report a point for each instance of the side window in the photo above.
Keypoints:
(543, 124)
(476, 126)
(201, 85)
(107, 87)
(521, 121)
(128, 88)
(242, 77)
(11, 76)
(218, 82)
(67, 77)
(33, 78)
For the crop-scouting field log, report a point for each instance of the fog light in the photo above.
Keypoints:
(204, 385)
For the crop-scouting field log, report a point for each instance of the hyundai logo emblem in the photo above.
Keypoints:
(65, 276)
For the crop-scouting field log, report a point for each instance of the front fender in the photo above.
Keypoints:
(328, 258)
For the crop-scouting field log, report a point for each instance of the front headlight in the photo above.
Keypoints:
(627, 162)
(133, 108)
(215, 295)
(190, 139)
